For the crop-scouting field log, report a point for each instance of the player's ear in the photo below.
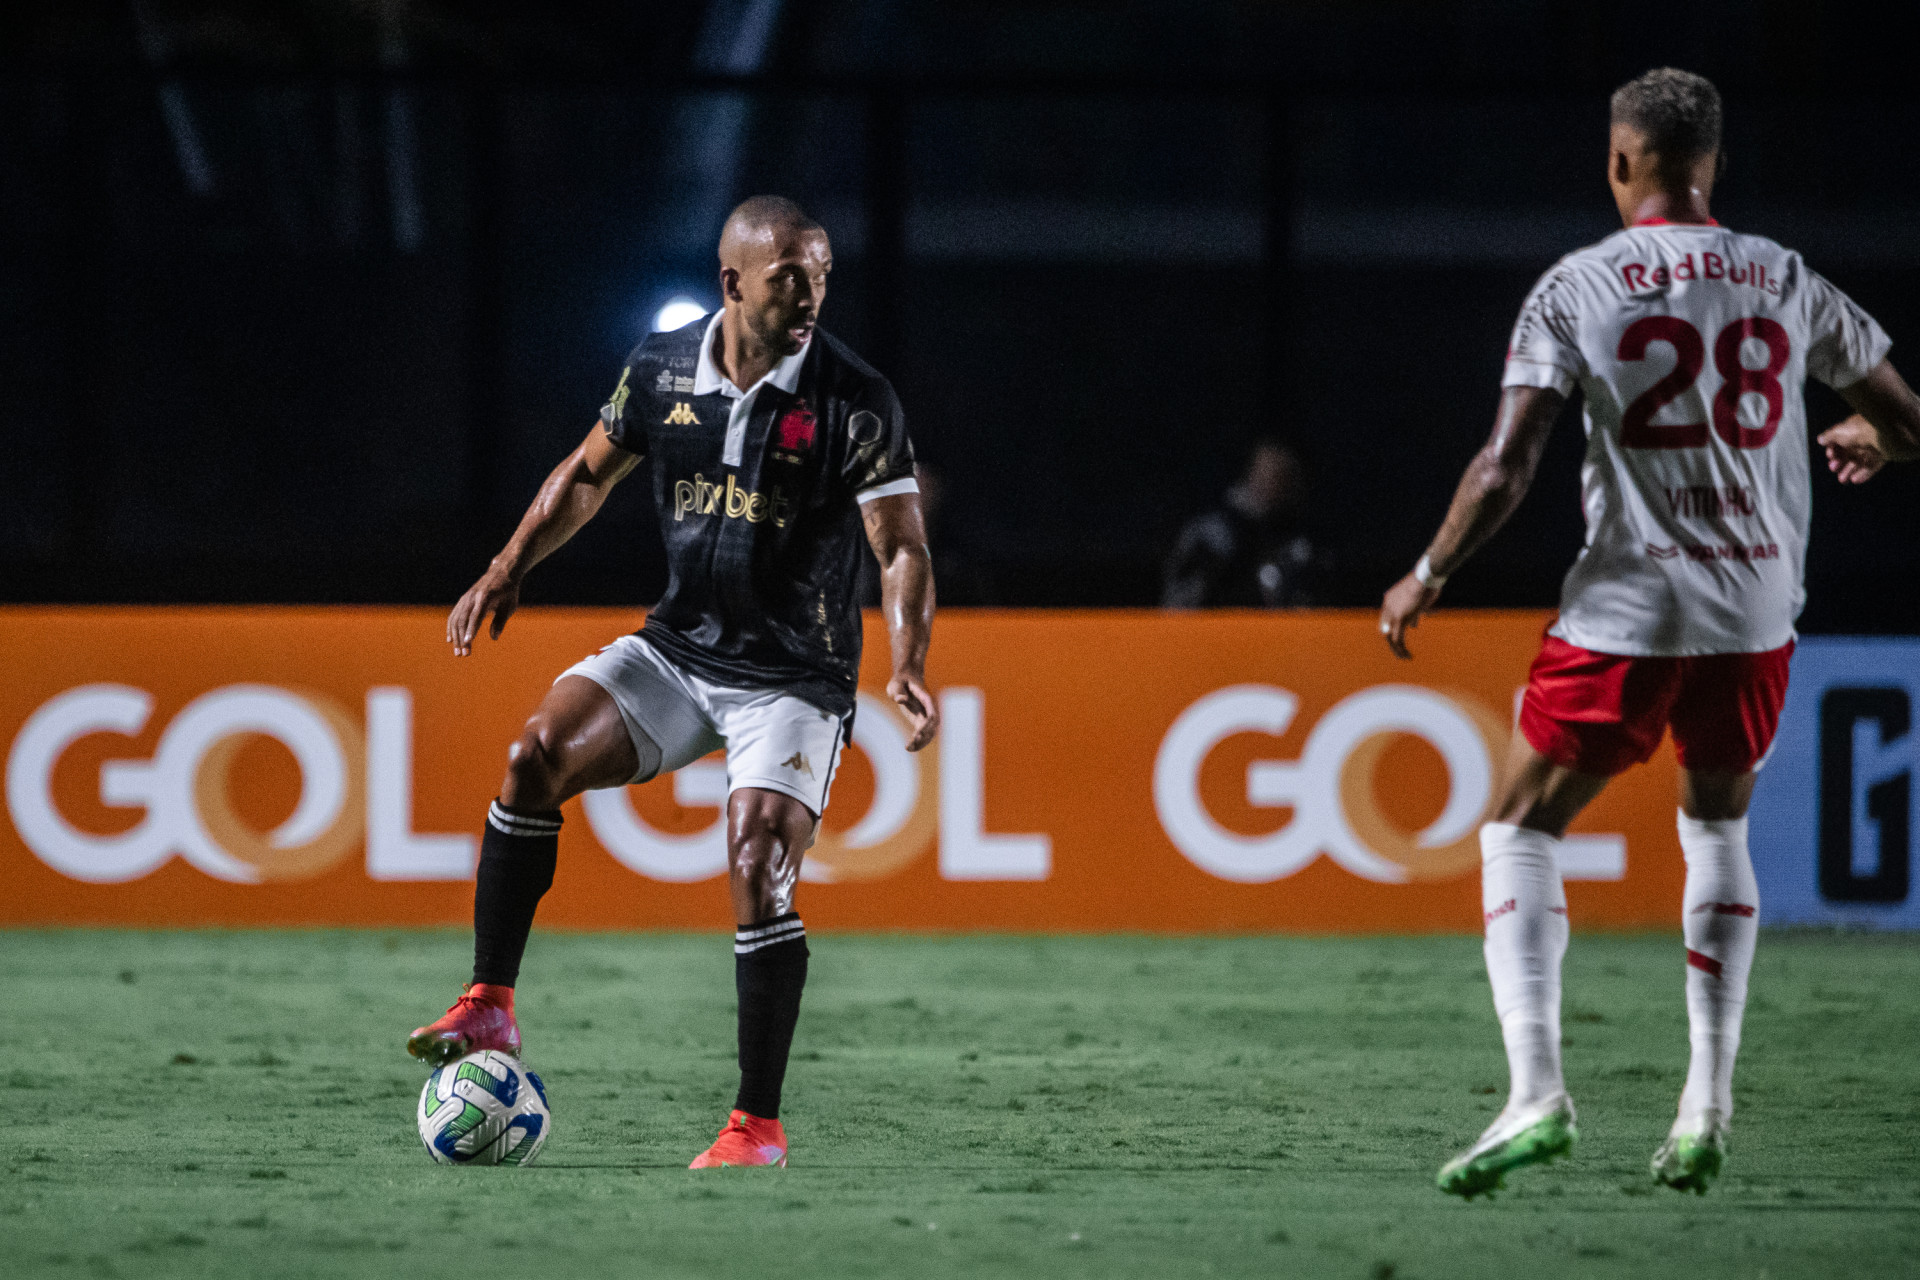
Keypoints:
(730, 284)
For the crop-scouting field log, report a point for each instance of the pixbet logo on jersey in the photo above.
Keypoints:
(350, 785)
(703, 497)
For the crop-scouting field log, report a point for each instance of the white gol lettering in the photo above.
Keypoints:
(1311, 784)
(165, 784)
(682, 859)
(968, 851)
(395, 851)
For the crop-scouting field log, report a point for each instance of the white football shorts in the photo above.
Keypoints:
(772, 739)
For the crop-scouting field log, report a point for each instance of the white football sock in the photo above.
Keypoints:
(1721, 921)
(1525, 909)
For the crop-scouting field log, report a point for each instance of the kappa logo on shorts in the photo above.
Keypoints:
(798, 763)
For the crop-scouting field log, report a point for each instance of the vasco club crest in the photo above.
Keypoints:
(793, 434)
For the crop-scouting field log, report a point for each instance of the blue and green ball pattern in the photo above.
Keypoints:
(485, 1108)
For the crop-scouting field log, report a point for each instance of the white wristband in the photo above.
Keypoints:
(1423, 574)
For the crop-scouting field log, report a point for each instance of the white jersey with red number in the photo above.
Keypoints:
(1692, 345)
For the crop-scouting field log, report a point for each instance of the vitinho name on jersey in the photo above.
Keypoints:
(702, 497)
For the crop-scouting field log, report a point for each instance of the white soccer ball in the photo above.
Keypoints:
(485, 1108)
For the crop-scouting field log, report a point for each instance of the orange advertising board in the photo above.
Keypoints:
(1096, 771)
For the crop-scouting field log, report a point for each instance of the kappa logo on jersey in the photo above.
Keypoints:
(702, 497)
(682, 415)
(798, 763)
(794, 431)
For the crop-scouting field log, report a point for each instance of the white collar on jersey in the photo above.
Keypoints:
(708, 379)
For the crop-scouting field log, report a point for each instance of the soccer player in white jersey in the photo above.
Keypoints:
(1691, 344)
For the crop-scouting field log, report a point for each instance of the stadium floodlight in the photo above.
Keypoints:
(679, 310)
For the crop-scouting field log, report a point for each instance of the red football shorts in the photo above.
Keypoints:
(1601, 712)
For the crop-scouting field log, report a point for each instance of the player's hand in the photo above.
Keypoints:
(908, 689)
(1405, 601)
(1853, 450)
(498, 593)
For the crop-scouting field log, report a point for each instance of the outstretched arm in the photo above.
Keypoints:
(1492, 487)
(568, 499)
(898, 536)
(1885, 427)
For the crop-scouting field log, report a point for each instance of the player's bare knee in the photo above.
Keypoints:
(753, 864)
(1539, 818)
(533, 772)
(756, 872)
(1528, 806)
(1715, 795)
(765, 847)
(755, 845)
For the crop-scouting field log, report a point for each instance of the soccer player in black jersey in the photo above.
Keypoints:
(772, 448)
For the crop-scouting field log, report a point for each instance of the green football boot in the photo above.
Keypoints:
(1693, 1153)
(1537, 1134)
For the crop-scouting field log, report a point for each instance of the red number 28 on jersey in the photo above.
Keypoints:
(1637, 429)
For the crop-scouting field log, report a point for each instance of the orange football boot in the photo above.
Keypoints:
(480, 1019)
(746, 1141)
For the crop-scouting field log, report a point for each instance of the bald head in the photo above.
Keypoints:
(774, 261)
(759, 226)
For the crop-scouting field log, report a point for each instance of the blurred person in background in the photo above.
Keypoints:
(1253, 550)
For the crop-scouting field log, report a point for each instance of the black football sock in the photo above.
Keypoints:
(517, 856)
(769, 970)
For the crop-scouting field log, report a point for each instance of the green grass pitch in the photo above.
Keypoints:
(238, 1104)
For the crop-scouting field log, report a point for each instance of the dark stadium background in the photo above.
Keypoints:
(302, 299)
